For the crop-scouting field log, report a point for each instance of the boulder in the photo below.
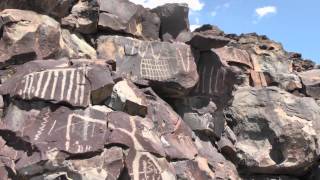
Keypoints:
(77, 85)
(108, 164)
(175, 134)
(174, 20)
(55, 8)
(205, 42)
(84, 17)
(217, 78)
(123, 16)
(128, 98)
(49, 127)
(199, 114)
(276, 134)
(169, 68)
(299, 64)
(27, 36)
(311, 81)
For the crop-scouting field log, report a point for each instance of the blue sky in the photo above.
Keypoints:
(294, 23)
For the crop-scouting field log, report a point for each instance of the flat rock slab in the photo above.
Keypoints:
(311, 81)
(169, 68)
(78, 85)
(123, 16)
(276, 134)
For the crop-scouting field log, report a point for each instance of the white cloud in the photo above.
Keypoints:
(194, 26)
(197, 20)
(213, 13)
(226, 5)
(263, 11)
(194, 5)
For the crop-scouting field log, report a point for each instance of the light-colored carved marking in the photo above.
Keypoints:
(210, 82)
(54, 85)
(39, 83)
(54, 124)
(83, 118)
(26, 85)
(140, 151)
(30, 85)
(42, 126)
(45, 87)
(217, 81)
(83, 86)
(63, 83)
(223, 77)
(203, 79)
(76, 94)
(70, 85)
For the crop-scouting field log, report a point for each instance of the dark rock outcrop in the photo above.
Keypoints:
(107, 89)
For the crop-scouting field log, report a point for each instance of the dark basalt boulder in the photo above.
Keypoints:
(169, 68)
(123, 16)
(84, 17)
(276, 134)
(55, 8)
(311, 82)
(28, 36)
(78, 85)
(174, 20)
(107, 89)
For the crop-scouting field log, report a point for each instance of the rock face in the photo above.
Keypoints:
(107, 89)
(27, 36)
(310, 80)
(275, 134)
(174, 20)
(124, 16)
(79, 85)
(170, 68)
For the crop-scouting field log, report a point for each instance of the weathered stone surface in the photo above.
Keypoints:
(300, 64)
(311, 81)
(216, 78)
(198, 169)
(262, 177)
(126, 17)
(199, 114)
(50, 128)
(76, 47)
(175, 135)
(174, 19)
(289, 82)
(169, 68)
(84, 17)
(106, 165)
(222, 168)
(128, 98)
(275, 133)
(205, 42)
(78, 85)
(27, 36)
(56, 8)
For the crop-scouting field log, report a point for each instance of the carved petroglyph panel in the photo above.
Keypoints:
(212, 79)
(68, 85)
(74, 132)
(141, 163)
(149, 60)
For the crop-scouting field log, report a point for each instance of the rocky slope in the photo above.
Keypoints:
(107, 89)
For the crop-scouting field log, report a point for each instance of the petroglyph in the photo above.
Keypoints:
(143, 165)
(42, 125)
(68, 85)
(154, 66)
(75, 119)
(212, 79)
